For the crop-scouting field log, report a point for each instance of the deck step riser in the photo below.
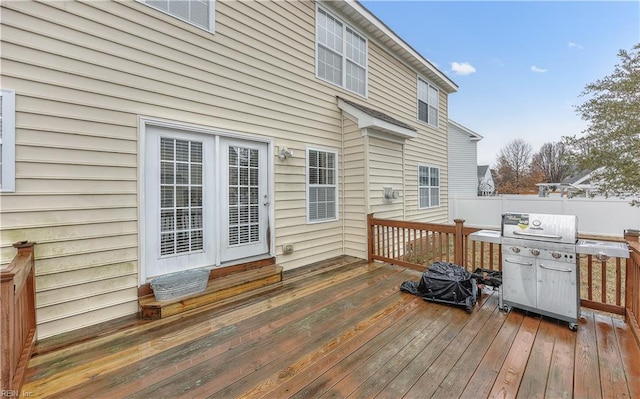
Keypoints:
(218, 289)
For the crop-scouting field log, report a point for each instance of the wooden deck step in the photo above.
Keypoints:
(218, 289)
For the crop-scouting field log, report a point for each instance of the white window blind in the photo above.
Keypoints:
(322, 188)
(181, 227)
(244, 185)
(428, 186)
(341, 53)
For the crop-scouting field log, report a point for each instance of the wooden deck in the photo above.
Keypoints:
(343, 329)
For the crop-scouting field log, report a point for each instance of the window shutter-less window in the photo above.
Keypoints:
(322, 203)
(428, 102)
(341, 53)
(428, 187)
(197, 12)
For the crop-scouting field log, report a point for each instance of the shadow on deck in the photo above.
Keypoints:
(343, 329)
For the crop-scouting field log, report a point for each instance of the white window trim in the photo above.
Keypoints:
(8, 139)
(430, 206)
(344, 56)
(212, 15)
(429, 83)
(335, 184)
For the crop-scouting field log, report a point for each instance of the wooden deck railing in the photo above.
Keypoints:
(18, 318)
(610, 285)
(632, 303)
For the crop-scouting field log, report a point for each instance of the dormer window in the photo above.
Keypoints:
(341, 53)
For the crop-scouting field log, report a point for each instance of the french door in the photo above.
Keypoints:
(206, 200)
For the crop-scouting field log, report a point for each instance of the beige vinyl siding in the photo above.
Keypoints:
(393, 90)
(85, 72)
(429, 149)
(386, 163)
(354, 181)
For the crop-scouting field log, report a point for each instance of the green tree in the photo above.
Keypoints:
(611, 143)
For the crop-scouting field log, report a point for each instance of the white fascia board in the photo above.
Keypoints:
(473, 135)
(366, 121)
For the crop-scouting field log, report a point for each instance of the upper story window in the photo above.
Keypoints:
(322, 185)
(341, 53)
(7, 140)
(200, 13)
(428, 102)
(428, 186)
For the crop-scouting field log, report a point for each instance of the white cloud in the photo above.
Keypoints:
(538, 70)
(576, 45)
(463, 68)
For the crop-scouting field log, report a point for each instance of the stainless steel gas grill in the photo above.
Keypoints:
(540, 268)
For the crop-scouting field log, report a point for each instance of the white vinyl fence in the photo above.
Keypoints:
(597, 216)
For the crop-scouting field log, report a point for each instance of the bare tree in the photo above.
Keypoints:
(513, 167)
(551, 162)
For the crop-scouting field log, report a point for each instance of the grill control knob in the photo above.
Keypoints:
(556, 255)
(515, 250)
(535, 252)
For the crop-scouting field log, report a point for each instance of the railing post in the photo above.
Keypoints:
(17, 317)
(370, 237)
(458, 243)
(6, 332)
(25, 248)
(632, 278)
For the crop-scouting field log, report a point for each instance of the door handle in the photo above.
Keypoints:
(266, 200)
(519, 263)
(556, 269)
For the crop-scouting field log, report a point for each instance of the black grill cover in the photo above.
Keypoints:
(443, 281)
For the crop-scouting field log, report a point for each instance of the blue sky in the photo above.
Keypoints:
(520, 65)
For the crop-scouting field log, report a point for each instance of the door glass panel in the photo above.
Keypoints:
(244, 222)
(180, 197)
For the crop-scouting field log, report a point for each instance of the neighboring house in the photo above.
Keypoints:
(462, 152)
(144, 139)
(486, 185)
(580, 184)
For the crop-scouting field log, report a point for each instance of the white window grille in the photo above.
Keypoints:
(428, 102)
(244, 206)
(428, 186)
(341, 56)
(322, 187)
(181, 221)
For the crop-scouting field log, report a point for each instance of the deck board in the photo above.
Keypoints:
(587, 381)
(512, 370)
(612, 375)
(535, 376)
(630, 356)
(343, 329)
